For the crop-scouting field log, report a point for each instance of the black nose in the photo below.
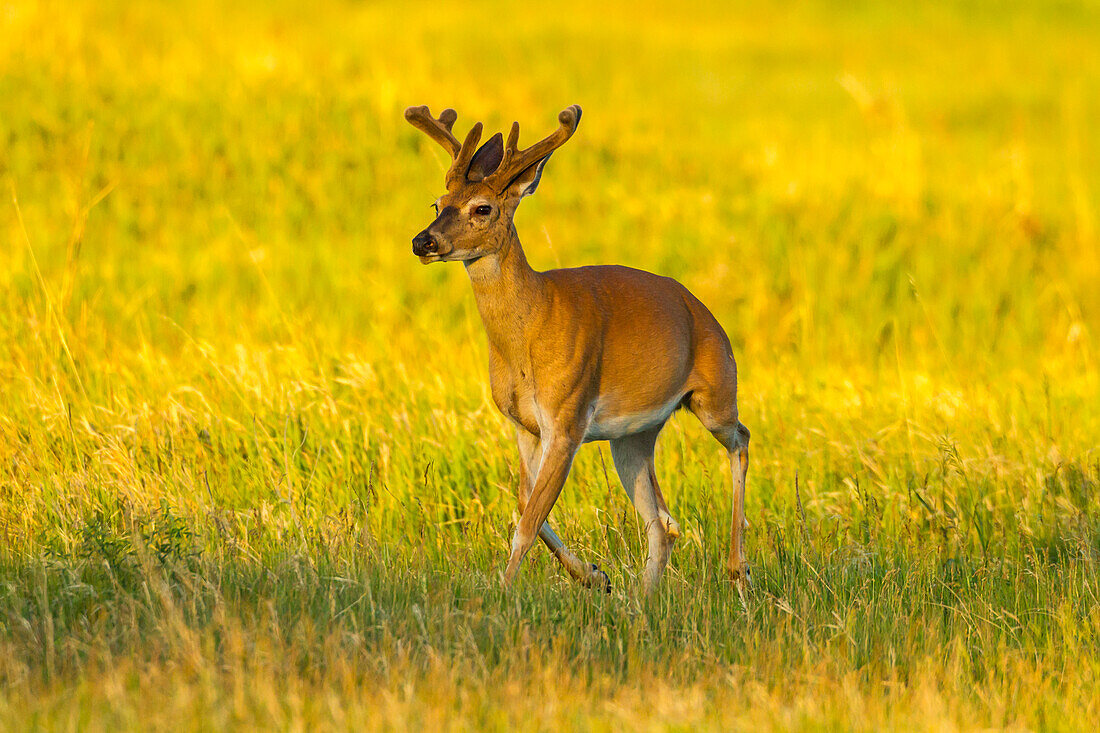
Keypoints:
(424, 244)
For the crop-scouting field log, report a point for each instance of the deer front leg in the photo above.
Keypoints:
(557, 459)
(587, 574)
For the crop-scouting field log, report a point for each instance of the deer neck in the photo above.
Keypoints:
(508, 294)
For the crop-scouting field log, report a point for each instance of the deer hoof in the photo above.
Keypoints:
(597, 579)
(741, 575)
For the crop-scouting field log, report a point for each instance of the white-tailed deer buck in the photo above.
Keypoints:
(579, 354)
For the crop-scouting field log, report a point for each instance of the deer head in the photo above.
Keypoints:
(484, 185)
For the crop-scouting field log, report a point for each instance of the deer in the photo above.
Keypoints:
(583, 354)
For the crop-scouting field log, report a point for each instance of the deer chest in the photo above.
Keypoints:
(514, 394)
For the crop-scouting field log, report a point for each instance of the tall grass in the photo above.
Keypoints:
(250, 472)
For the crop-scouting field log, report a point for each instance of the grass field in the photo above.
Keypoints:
(250, 472)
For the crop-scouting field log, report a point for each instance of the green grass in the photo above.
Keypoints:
(250, 471)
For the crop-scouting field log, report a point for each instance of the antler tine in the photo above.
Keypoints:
(437, 129)
(516, 161)
(457, 173)
(509, 148)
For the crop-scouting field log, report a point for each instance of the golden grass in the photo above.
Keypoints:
(250, 474)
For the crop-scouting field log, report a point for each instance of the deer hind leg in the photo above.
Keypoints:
(586, 574)
(633, 457)
(719, 416)
(737, 566)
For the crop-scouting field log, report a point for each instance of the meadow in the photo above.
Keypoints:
(251, 475)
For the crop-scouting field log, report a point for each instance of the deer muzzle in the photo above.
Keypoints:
(425, 245)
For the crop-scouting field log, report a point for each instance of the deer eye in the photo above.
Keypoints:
(483, 210)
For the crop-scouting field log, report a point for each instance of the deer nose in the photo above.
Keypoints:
(424, 244)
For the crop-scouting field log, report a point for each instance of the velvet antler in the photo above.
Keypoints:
(517, 161)
(440, 131)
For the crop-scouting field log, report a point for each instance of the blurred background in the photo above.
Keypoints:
(838, 181)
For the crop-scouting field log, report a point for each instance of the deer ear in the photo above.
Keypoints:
(486, 159)
(526, 182)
